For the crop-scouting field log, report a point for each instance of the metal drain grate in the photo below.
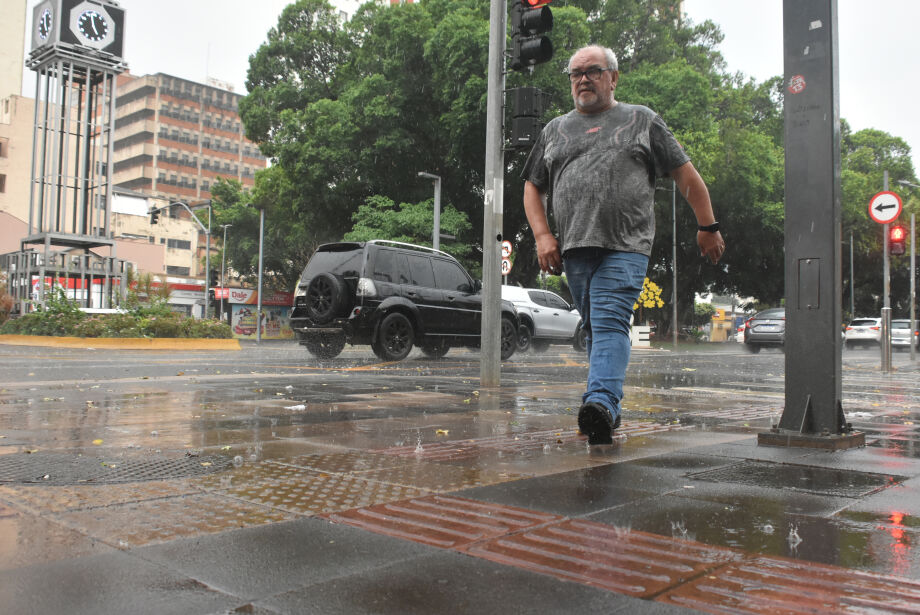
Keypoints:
(71, 469)
(821, 481)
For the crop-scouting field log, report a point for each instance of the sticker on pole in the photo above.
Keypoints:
(885, 207)
(506, 266)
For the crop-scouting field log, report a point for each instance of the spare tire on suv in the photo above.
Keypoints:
(391, 296)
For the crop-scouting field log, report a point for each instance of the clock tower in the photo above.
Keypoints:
(76, 51)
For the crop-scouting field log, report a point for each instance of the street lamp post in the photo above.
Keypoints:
(674, 327)
(223, 264)
(436, 234)
(913, 274)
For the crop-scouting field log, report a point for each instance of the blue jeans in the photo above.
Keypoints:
(605, 285)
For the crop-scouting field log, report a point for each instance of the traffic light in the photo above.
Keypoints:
(897, 235)
(214, 278)
(530, 20)
(525, 117)
(154, 216)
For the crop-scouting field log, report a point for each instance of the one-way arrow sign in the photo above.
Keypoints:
(885, 207)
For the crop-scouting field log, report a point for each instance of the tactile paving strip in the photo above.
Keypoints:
(342, 463)
(443, 521)
(141, 523)
(315, 493)
(439, 478)
(777, 585)
(616, 559)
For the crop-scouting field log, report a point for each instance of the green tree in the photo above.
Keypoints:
(381, 218)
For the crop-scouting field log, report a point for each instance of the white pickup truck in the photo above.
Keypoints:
(546, 318)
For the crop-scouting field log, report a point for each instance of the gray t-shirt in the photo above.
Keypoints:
(599, 173)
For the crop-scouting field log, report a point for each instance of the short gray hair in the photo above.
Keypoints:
(608, 53)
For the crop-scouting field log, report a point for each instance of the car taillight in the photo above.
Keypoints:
(874, 328)
(849, 328)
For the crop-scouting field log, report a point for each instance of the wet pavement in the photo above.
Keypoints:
(264, 481)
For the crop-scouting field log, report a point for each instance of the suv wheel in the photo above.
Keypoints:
(509, 338)
(325, 345)
(580, 342)
(325, 297)
(524, 338)
(435, 350)
(396, 337)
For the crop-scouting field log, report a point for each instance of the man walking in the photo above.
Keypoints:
(597, 167)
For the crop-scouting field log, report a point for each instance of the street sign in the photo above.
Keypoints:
(506, 249)
(506, 266)
(885, 207)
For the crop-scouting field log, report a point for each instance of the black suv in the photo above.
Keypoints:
(392, 296)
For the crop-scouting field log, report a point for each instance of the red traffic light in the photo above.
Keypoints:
(536, 3)
(896, 237)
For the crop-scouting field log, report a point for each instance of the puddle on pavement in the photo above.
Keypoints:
(769, 526)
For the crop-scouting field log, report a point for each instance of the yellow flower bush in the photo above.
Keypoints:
(650, 297)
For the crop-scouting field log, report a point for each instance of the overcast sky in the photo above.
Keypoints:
(879, 47)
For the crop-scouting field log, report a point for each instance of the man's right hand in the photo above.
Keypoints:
(548, 254)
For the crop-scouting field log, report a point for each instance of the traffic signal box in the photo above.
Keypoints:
(525, 117)
(897, 236)
(154, 216)
(530, 20)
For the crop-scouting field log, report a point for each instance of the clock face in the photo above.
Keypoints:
(44, 24)
(93, 25)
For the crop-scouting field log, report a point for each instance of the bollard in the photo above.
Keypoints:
(885, 342)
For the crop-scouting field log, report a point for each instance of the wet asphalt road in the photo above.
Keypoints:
(148, 460)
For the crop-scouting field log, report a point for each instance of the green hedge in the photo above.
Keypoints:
(62, 317)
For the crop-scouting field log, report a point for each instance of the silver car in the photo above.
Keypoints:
(901, 335)
(546, 318)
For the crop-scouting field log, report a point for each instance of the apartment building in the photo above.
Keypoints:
(174, 137)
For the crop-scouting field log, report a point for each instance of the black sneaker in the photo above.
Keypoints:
(595, 421)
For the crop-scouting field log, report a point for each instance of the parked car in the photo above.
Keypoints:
(766, 329)
(546, 318)
(901, 335)
(393, 296)
(739, 334)
(863, 331)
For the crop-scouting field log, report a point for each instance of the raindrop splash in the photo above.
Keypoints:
(793, 539)
(678, 530)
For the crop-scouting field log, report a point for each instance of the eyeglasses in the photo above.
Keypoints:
(594, 73)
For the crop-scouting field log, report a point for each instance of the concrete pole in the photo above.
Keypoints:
(436, 232)
(493, 209)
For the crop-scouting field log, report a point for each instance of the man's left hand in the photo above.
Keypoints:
(711, 245)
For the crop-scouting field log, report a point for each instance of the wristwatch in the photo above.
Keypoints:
(712, 228)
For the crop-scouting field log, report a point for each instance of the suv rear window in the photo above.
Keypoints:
(344, 260)
(865, 322)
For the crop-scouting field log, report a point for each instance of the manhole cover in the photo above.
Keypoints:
(822, 481)
(71, 469)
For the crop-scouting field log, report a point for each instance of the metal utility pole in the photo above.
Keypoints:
(493, 208)
(886, 294)
(674, 258)
(913, 275)
(223, 266)
(813, 414)
(259, 291)
(436, 233)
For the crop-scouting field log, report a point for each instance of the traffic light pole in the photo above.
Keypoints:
(493, 209)
(886, 291)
